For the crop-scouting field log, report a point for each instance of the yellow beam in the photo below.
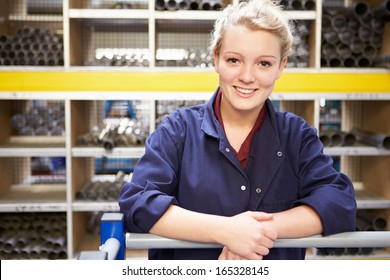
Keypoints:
(185, 81)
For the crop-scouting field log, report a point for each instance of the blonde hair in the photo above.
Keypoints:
(255, 15)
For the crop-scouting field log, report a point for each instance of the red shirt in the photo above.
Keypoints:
(245, 149)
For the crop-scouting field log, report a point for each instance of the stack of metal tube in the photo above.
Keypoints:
(297, 5)
(165, 107)
(366, 220)
(32, 46)
(334, 138)
(128, 133)
(104, 189)
(48, 121)
(174, 5)
(33, 236)
(352, 35)
(300, 48)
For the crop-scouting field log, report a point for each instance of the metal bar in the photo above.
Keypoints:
(111, 246)
(112, 227)
(372, 239)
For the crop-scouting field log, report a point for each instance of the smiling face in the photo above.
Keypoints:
(248, 63)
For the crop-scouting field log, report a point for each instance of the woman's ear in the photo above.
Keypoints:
(281, 67)
(216, 61)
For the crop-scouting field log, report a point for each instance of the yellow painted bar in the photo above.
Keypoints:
(186, 81)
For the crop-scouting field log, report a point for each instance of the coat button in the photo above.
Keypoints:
(243, 188)
(227, 150)
(279, 154)
(258, 190)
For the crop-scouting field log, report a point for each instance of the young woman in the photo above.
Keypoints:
(234, 171)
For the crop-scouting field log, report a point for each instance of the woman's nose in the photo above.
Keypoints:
(246, 74)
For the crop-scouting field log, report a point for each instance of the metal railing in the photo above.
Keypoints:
(115, 240)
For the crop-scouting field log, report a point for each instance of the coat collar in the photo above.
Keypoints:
(211, 126)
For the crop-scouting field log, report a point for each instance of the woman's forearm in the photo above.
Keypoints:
(297, 222)
(183, 224)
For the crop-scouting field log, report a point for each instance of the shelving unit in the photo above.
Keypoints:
(363, 92)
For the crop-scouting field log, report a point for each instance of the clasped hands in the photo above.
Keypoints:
(250, 236)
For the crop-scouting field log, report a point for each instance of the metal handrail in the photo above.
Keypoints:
(112, 230)
(359, 239)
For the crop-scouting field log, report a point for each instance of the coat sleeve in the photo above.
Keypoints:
(329, 192)
(151, 190)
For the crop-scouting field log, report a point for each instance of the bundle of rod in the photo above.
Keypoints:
(300, 47)
(48, 121)
(102, 189)
(128, 133)
(351, 36)
(193, 57)
(367, 220)
(33, 236)
(165, 107)
(379, 140)
(32, 46)
(122, 4)
(174, 5)
(297, 5)
(334, 138)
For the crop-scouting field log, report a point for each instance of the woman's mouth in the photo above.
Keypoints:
(245, 91)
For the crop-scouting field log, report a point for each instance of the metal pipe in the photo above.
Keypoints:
(374, 139)
(160, 5)
(44, 7)
(382, 61)
(382, 10)
(194, 5)
(331, 37)
(364, 61)
(349, 62)
(111, 246)
(339, 22)
(309, 5)
(295, 5)
(372, 239)
(183, 4)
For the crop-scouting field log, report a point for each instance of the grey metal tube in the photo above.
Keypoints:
(194, 4)
(364, 61)
(111, 246)
(349, 61)
(44, 7)
(183, 4)
(295, 4)
(382, 61)
(371, 239)
(160, 5)
(309, 5)
(375, 139)
(348, 138)
(382, 10)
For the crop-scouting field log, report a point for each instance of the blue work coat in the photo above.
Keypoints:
(189, 162)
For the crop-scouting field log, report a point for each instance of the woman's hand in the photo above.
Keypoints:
(226, 254)
(247, 237)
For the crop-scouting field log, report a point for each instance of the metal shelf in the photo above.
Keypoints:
(356, 151)
(32, 152)
(36, 18)
(108, 14)
(100, 152)
(34, 198)
(86, 206)
(368, 200)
